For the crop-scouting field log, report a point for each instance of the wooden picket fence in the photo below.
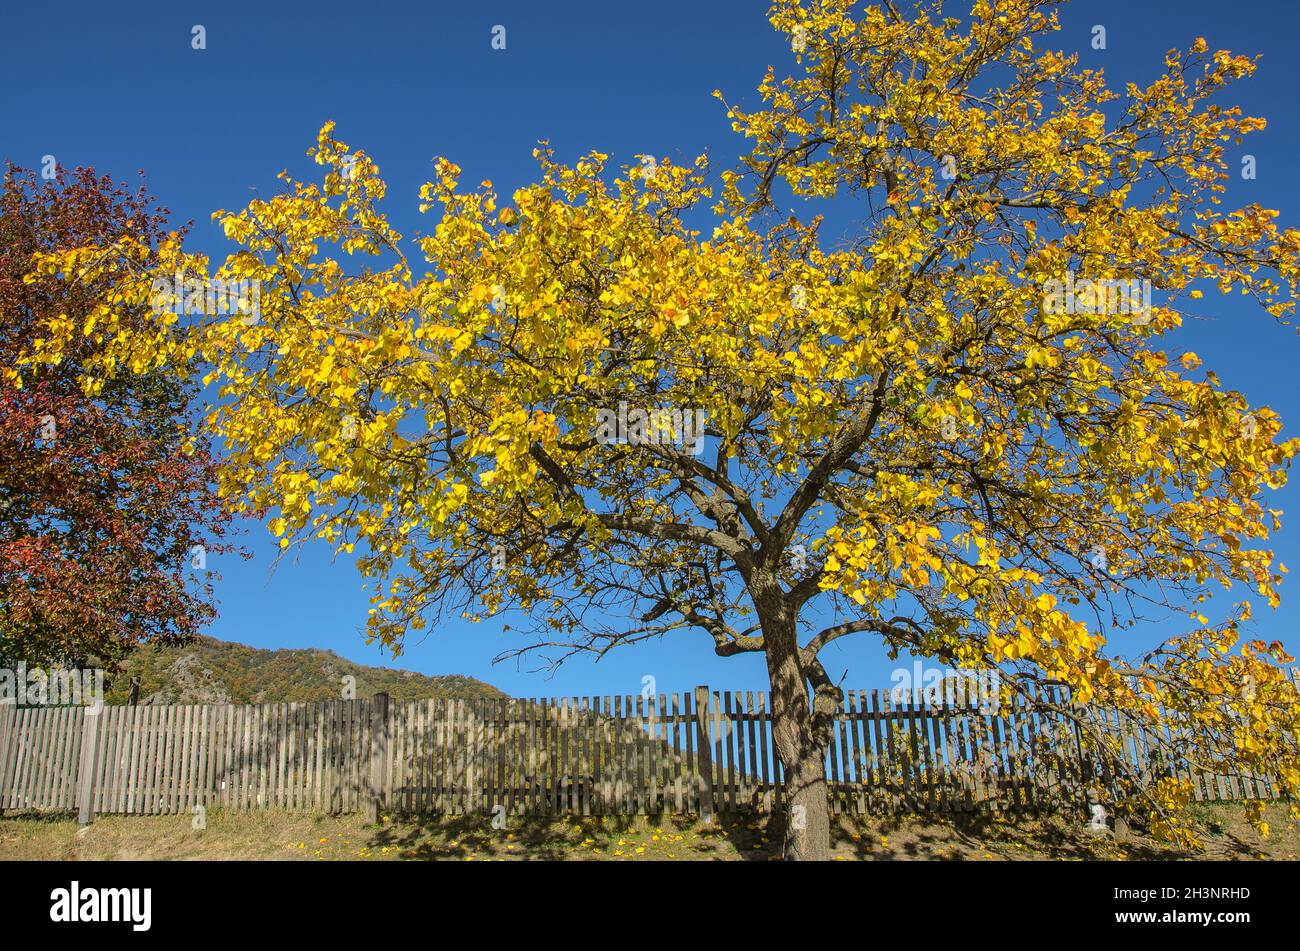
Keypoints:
(693, 753)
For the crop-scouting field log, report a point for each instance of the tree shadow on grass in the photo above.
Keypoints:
(753, 836)
(557, 838)
(967, 836)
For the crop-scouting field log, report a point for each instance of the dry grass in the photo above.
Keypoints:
(291, 836)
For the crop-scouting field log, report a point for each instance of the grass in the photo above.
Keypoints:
(293, 836)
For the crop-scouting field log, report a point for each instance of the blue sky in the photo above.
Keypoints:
(122, 90)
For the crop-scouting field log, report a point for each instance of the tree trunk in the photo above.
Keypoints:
(807, 817)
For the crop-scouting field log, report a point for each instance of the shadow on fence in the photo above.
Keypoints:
(703, 753)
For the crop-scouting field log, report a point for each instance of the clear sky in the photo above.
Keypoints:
(118, 87)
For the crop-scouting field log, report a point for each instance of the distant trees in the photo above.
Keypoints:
(108, 510)
(207, 668)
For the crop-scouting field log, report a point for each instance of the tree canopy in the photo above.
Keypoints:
(106, 493)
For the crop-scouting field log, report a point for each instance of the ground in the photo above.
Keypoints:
(281, 835)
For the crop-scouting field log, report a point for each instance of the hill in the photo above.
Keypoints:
(211, 671)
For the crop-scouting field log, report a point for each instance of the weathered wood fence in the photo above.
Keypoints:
(700, 753)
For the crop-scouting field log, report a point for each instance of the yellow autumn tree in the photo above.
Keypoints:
(628, 412)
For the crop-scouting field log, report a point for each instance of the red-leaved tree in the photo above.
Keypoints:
(108, 513)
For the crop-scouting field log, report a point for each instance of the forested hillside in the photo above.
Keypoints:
(212, 671)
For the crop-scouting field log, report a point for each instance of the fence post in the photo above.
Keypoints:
(8, 725)
(87, 764)
(704, 747)
(378, 756)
